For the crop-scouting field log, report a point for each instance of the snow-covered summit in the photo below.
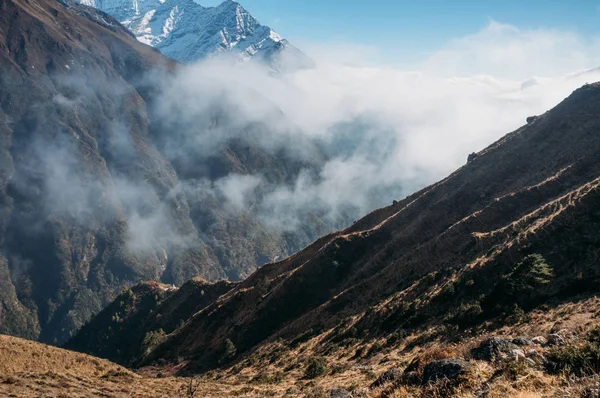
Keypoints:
(187, 31)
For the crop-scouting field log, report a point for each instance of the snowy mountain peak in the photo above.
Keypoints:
(187, 31)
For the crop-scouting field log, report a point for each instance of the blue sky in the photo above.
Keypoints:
(402, 30)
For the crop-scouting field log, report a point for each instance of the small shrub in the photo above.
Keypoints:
(153, 339)
(579, 360)
(594, 334)
(467, 314)
(529, 275)
(317, 366)
(115, 373)
(515, 315)
(228, 351)
(513, 368)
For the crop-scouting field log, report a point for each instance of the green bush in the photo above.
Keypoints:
(316, 367)
(579, 360)
(594, 334)
(515, 315)
(530, 274)
(228, 351)
(513, 369)
(153, 339)
(467, 314)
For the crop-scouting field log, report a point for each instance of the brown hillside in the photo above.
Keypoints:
(450, 249)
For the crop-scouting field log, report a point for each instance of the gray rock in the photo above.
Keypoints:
(539, 340)
(556, 339)
(389, 376)
(339, 393)
(518, 353)
(533, 353)
(450, 369)
(522, 341)
(535, 356)
(492, 348)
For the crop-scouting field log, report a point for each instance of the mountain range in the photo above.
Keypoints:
(102, 188)
(121, 238)
(420, 263)
(188, 32)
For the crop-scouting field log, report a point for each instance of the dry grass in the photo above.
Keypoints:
(29, 369)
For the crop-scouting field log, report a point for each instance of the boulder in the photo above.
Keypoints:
(450, 369)
(533, 354)
(339, 393)
(539, 340)
(556, 339)
(389, 376)
(536, 357)
(518, 353)
(522, 341)
(491, 348)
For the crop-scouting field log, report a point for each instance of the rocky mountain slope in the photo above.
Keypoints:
(187, 31)
(98, 190)
(502, 241)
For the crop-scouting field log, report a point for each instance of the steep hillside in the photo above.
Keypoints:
(143, 315)
(516, 228)
(95, 193)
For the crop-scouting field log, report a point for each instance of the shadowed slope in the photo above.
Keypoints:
(534, 191)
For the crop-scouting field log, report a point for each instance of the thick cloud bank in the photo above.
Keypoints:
(386, 132)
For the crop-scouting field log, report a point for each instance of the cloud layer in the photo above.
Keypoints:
(386, 131)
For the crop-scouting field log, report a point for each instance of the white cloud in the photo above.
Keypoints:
(388, 131)
(506, 51)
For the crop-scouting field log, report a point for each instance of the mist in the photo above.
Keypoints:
(384, 132)
(257, 164)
